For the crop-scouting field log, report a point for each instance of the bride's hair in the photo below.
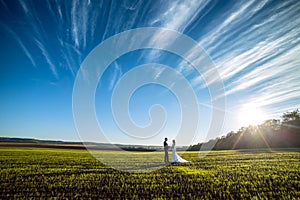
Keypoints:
(173, 141)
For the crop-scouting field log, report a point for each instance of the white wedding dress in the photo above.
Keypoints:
(175, 157)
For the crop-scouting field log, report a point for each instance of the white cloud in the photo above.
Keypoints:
(263, 59)
(24, 6)
(177, 15)
(21, 44)
(117, 73)
(47, 57)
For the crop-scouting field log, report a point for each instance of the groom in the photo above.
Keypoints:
(166, 148)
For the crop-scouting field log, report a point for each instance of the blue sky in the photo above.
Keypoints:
(255, 46)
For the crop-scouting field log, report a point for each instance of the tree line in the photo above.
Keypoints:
(272, 133)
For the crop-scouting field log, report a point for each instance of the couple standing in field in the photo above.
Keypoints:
(175, 157)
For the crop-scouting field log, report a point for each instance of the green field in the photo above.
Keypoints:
(59, 173)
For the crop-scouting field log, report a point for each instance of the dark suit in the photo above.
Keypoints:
(166, 148)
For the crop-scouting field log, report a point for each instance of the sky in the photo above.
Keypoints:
(254, 47)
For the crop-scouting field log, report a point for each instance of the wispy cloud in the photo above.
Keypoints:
(257, 51)
(176, 15)
(229, 23)
(115, 75)
(282, 82)
(268, 61)
(37, 37)
(159, 71)
(72, 27)
(21, 44)
(47, 57)
(75, 19)
(254, 44)
(265, 58)
(4, 5)
(124, 16)
(24, 6)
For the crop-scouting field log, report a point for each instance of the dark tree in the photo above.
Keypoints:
(271, 134)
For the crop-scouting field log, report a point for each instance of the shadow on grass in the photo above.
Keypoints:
(268, 150)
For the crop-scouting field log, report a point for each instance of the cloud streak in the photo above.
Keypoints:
(256, 52)
(115, 75)
(177, 15)
(75, 22)
(254, 44)
(21, 44)
(48, 58)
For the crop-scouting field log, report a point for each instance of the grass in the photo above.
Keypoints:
(67, 174)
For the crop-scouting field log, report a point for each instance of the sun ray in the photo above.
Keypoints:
(261, 135)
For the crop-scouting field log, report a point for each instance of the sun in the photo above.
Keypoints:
(250, 114)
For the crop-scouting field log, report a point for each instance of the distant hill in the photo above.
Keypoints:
(29, 142)
(35, 141)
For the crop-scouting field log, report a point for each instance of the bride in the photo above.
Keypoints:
(175, 157)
